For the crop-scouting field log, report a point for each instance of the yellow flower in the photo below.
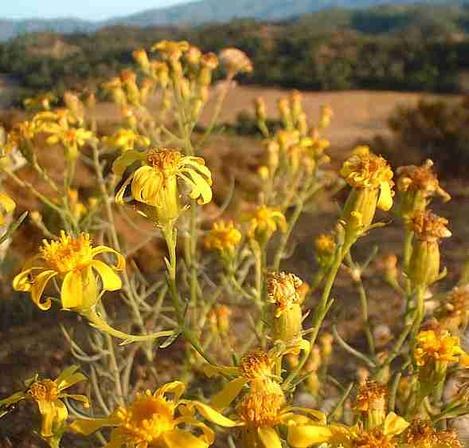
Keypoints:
(263, 410)
(7, 205)
(48, 395)
(223, 237)
(370, 176)
(141, 57)
(340, 436)
(255, 367)
(264, 222)
(72, 261)
(235, 61)
(170, 49)
(125, 139)
(155, 183)
(437, 346)
(153, 420)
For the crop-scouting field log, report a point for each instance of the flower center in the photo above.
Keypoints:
(146, 419)
(45, 390)
(261, 407)
(68, 253)
(165, 161)
(373, 439)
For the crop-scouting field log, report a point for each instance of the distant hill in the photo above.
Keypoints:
(202, 11)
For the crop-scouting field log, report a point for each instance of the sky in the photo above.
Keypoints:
(84, 9)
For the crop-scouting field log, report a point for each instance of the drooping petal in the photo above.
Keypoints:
(394, 425)
(72, 291)
(69, 377)
(120, 265)
(385, 196)
(303, 436)
(125, 160)
(200, 188)
(178, 439)
(87, 426)
(22, 281)
(269, 437)
(120, 193)
(110, 280)
(223, 399)
(53, 413)
(213, 416)
(38, 286)
(176, 388)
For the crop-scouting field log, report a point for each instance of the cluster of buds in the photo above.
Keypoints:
(424, 265)
(416, 185)
(219, 319)
(296, 145)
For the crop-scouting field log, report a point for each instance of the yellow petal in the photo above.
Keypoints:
(210, 370)
(269, 437)
(71, 293)
(69, 377)
(302, 436)
(176, 388)
(394, 425)
(125, 160)
(120, 265)
(213, 416)
(38, 286)
(385, 196)
(110, 280)
(22, 281)
(54, 414)
(87, 426)
(7, 203)
(223, 399)
(179, 439)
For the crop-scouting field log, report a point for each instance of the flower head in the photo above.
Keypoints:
(421, 434)
(48, 395)
(429, 227)
(453, 314)
(264, 222)
(417, 184)
(437, 346)
(324, 245)
(365, 170)
(235, 61)
(284, 290)
(223, 237)
(152, 420)
(125, 139)
(72, 261)
(155, 183)
(170, 49)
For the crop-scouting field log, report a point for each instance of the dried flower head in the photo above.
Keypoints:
(429, 227)
(235, 61)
